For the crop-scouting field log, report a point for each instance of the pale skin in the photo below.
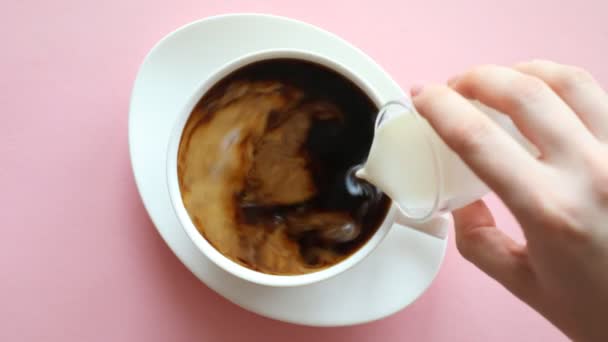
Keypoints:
(560, 199)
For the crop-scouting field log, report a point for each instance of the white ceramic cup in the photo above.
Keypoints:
(437, 227)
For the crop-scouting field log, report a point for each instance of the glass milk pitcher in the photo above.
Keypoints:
(417, 170)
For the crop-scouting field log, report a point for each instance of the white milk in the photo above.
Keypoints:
(415, 168)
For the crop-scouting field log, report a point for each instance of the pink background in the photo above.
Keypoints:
(79, 257)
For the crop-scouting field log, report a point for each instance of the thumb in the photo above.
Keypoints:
(480, 242)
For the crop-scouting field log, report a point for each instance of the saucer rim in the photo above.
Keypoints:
(173, 248)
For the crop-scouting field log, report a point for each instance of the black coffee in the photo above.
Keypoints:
(265, 167)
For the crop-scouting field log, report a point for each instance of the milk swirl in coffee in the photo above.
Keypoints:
(264, 166)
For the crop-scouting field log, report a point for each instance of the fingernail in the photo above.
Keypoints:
(416, 89)
(453, 80)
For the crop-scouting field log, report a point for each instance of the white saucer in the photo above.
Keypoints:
(391, 278)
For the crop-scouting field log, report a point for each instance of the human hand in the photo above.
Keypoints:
(559, 199)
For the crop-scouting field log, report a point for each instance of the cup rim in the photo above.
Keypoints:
(186, 223)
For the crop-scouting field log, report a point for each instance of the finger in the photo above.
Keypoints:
(486, 148)
(480, 242)
(578, 89)
(541, 115)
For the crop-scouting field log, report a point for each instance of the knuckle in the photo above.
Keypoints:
(597, 169)
(430, 98)
(601, 189)
(540, 62)
(469, 136)
(562, 214)
(437, 91)
(571, 79)
(526, 91)
(474, 78)
(532, 204)
(481, 70)
(464, 243)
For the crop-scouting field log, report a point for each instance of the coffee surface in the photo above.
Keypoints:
(265, 167)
